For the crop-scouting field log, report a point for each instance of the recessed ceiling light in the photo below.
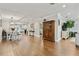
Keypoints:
(69, 13)
(64, 6)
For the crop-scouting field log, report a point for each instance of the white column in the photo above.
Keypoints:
(37, 29)
(58, 27)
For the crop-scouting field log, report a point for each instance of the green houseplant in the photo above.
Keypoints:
(70, 24)
(64, 27)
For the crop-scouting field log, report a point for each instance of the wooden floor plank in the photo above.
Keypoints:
(33, 46)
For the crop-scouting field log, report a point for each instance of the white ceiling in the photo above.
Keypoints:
(36, 10)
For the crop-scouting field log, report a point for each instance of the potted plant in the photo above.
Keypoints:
(66, 29)
(70, 25)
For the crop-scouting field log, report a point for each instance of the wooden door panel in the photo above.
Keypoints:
(49, 30)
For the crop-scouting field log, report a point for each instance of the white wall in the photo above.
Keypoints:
(0, 33)
(37, 29)
(59, 27)
(5, 24)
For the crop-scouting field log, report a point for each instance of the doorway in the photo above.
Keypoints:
(49, 30)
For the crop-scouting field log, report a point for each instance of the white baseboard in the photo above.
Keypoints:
(37, 35)
(58, 40)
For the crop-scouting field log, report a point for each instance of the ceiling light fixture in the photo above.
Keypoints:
(64, 6)
(69, 13)
(51, 3)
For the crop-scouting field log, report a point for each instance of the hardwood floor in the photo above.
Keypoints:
(33, 46)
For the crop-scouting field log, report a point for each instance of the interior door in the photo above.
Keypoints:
(49, 30)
